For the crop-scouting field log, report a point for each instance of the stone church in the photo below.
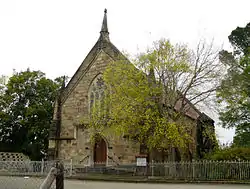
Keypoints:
(69, 138)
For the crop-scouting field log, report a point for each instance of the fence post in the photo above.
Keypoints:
(165, 169)
(60, 175)
(152, 166)
(193, 167)
(71, 167)
(42, 166)
(240, 169)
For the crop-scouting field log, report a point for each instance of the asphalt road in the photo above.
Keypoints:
(10, 182)
(34, 183)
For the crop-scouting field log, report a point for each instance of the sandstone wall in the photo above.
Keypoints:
(76, 107)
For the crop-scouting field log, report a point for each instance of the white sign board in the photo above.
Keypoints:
(142, 162)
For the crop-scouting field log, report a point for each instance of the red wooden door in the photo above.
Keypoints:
(100, 152)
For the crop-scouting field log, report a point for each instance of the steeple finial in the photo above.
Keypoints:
(104, 30)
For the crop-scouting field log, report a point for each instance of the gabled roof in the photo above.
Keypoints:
(102, 44)
(191, 111)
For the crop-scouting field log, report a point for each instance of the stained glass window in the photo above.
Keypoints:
(96, 90)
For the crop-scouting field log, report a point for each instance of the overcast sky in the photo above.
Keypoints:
(54, 36)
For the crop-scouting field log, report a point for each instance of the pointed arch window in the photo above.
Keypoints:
(96, 91)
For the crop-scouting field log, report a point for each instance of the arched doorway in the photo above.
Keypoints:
(100, 152)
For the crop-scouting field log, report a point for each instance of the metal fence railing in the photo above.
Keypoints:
(196, 170)
(202, 170)
(31, 174)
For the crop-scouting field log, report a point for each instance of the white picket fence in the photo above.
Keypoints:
(196, 170)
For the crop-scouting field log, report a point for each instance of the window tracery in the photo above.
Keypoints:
(96, 91)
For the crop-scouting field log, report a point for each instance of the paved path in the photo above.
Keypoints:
(34, 183)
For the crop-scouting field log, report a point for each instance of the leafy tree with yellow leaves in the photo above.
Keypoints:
(147, 100)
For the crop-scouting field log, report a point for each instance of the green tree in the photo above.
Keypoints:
(230, 154)
(234, 91)
(26, 110)
(3, 80)
(147, 100)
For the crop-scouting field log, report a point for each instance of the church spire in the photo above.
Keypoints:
(104, 30)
